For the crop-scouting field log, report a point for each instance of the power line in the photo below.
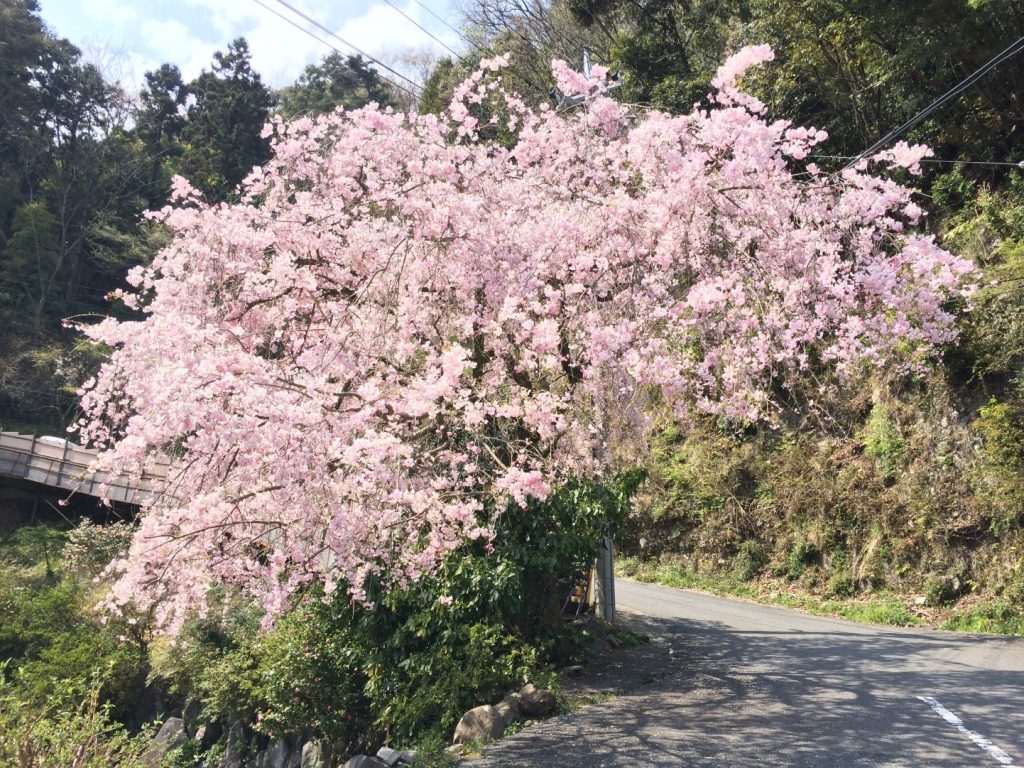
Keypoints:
(1012, 50)
(320, 26)
(329, 45)
(12, 393)
(426, 8)
(995, 163)
(338, 37)
(55, 290)
(423, 29)
(475, 45)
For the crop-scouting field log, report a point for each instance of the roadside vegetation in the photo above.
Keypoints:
(895, 499)
(1002, 615)
(900, 502)
(75, 680)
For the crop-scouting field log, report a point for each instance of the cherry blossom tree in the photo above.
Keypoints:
(406, 323)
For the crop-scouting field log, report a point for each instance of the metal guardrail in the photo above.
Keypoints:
(59, 463)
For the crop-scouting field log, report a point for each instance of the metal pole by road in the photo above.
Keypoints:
(605, 581)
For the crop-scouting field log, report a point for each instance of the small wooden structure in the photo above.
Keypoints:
(60, 464)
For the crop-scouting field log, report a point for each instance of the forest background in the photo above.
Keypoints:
(901, 500)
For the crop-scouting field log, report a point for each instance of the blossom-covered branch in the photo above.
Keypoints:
(406, 322)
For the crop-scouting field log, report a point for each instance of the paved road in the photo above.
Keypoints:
(750, 685)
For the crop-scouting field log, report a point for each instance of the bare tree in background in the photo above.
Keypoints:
(417, 64)
(535, 32)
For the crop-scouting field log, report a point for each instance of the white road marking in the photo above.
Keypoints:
(977, 738)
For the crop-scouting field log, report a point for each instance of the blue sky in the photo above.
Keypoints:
(128, 37)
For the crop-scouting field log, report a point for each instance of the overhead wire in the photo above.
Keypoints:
(342, 40)
(82, 288)
(423, 29)
(426, 8)
(994, 163)
(474, 44)
(1009, 52)
(462, 37)
(376, 61)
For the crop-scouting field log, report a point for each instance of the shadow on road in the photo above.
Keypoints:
(816, 695)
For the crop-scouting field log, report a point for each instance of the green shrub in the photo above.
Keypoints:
(999, 476)
(33, 551)
(1002, 427)
(938, 591)
(883, 441)
(73, 730)
(91, 546)
(840, 584)
(51, 636)
(801, 555)
(1003, 616)
(954, 191)
(414, 694)
(32, 615)
(312, 677)
(891, 612)
(406, 670)
(750, 560)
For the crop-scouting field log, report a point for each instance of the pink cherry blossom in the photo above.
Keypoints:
(401, 326)
(737, 64)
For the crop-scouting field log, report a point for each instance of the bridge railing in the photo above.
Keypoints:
(59, 463)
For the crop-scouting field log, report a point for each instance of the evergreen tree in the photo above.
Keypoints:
(28, 261)
(346, 81)
(159, 125)
(221, 138)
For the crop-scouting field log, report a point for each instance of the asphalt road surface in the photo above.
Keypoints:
(751, 685)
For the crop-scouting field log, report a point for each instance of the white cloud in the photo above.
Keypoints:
(172, 40)
(108, 10)
(382, 29)
(188, 32)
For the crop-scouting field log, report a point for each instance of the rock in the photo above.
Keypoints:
(170, 736)
(317, 754)
(508, 712)
(208, 734)
(365, 761)
(456, 750)
(920, 600)
(482, 724)
(234, 746)
(515, 701)
(275, 756)
(390, 756)
(613, 642)
(408, 757)
(536, 702)
(190, 715)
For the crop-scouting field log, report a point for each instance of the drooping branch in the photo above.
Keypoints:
(474, 320)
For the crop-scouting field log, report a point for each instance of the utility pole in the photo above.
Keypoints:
(603, 571)
(604, 568)
(604, 592)
(576, 99)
